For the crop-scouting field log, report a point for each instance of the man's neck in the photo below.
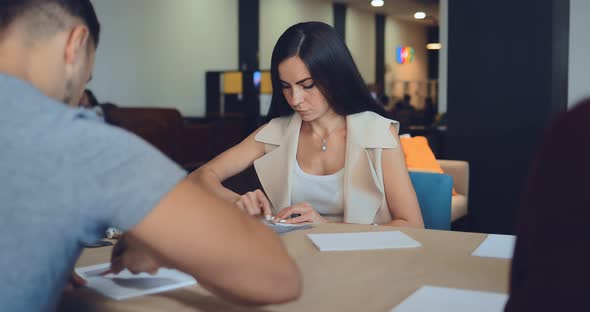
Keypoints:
(13, 59)
(18, 59)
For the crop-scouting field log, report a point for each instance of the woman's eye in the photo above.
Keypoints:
(285, 87)
(309, 86)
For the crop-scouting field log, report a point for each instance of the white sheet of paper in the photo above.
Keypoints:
(125, 285)
(496, 246)
(431, 298)
(363, 241)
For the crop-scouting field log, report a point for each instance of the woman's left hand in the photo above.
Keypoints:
(306, 214)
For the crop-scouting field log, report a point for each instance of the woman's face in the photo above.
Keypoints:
(300, 89)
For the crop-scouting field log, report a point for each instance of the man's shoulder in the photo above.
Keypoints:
(93, 139)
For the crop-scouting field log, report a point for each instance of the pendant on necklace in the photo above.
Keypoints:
(324, 147)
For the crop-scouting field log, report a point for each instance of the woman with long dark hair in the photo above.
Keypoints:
(328, 152)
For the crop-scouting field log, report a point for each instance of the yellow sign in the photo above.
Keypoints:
(232, 83)
(265, 83)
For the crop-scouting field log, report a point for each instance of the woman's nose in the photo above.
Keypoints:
(297, 96)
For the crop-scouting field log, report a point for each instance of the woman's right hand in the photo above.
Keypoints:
(255, 203)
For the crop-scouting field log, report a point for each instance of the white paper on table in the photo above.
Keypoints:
(362, 241)
(496, 246)
(431, 298)
(125, 285)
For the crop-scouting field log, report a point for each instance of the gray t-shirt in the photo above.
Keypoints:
(64, 178)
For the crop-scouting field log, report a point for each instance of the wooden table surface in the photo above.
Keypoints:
(375, 280)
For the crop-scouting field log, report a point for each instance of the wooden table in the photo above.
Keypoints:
(375, 280)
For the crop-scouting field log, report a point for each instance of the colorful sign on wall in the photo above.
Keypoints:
(404, 55)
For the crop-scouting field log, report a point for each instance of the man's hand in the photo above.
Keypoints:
(129, 254)
(75, 282)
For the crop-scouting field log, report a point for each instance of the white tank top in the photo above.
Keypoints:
(324, 193)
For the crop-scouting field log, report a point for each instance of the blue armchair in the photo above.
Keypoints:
(434, 191)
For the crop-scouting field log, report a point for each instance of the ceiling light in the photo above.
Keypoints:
(377, 3)
(419, 15)
(433, 46)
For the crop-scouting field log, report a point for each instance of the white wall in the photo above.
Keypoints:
(278, 15)
(402, 33)
(579, 52)
(360, 38)
(155, 53)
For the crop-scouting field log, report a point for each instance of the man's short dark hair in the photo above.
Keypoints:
(45, 11)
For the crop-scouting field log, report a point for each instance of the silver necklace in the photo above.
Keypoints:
(324, 140)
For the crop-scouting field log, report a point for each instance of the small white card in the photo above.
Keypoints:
(126, 285)
(363, 241)
(431, 298)
(496, 246)
(281, 228)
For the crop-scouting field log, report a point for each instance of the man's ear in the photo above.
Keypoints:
(76, 44)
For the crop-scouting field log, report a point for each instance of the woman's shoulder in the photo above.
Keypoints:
(281, 122)
(371, 121)
(274, 130)
(372, 129)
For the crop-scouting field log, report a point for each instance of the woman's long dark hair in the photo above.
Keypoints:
(331, 66)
